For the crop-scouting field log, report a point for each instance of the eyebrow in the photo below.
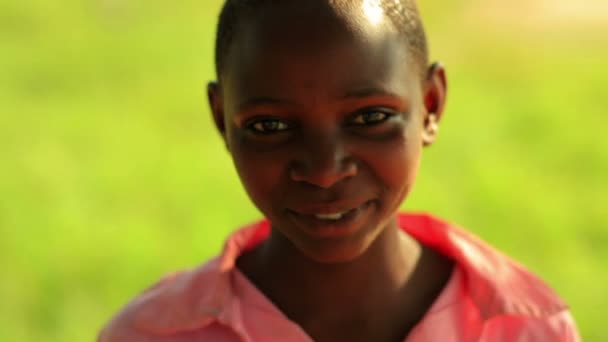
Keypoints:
(356, 94)
(263, 101)
(369, 92)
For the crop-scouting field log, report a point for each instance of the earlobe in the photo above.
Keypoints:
(217, 109)
(435, 92)
(431, 127)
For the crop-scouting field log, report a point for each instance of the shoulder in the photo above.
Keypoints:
(161, 309)
(559, 327)
(516, 303)
(122, 327)
(513, 303)
(498, 284)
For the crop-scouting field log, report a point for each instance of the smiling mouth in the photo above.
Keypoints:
(331, 217)
(330, 221)
(329, 212)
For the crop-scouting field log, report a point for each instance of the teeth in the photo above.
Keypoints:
(335, 216)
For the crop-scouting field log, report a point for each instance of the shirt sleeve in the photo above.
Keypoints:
(559, 327)
(115, 334)
(566, 327)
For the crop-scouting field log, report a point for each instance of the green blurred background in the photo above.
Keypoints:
(111, 173)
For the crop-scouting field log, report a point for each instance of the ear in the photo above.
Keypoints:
(214, 95)
(435, 92)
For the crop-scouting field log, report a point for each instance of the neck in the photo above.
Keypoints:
(388, 262)
(353, 293)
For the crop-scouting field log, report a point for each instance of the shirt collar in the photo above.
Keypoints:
(193, 299)
(497, 285)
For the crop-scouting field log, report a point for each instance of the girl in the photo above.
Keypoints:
(325, 106)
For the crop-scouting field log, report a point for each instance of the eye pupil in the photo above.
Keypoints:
(375, 116)
(370, 118)
(268, 126)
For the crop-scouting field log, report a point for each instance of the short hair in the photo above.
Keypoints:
(403, 14)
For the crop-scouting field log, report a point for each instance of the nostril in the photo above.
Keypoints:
(323, 175)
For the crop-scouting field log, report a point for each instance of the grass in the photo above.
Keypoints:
(112, 174)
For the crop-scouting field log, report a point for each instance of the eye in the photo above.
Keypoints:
(372, 117)
(267, 126)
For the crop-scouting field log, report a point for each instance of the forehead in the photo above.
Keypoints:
(318, 49)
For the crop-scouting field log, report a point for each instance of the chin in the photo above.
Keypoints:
(335, 251)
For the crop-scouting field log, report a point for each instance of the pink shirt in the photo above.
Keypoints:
(489, 298)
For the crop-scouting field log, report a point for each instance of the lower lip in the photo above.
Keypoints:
(345, 225)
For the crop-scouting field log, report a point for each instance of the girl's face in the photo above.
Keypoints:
(324, 121)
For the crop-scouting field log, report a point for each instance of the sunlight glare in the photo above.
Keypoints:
(373, 11)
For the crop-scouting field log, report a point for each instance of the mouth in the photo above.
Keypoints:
(331, 217)
(332, 220)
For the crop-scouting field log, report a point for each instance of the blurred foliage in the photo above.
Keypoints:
(111, 173)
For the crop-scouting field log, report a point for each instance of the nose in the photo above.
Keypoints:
(323, 162)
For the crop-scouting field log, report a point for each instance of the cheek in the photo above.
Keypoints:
(261, 172)
(400, 167)
(395, 163)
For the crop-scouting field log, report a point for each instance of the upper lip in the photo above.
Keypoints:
(327, 207)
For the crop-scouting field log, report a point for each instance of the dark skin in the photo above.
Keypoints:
(326, 113)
